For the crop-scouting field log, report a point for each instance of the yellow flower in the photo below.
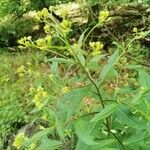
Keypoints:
(40, 42)
(64, 12)
(103, 16)
(96, 47)
(47, 28)
(40, 98)
(73, 48)
(65, 90)
(21, 69)
(43, 13)
(65, 26)
(19, 140)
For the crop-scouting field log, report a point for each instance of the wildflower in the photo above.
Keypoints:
(29, 38)
(64, 12)
(96, 47)
(65, 26)
(43, 13)
(19, 140)
(73, 48)
(47, 28)
(40, 98)
(21, 69)
(40, 42)
(103, 16)
(65, 90)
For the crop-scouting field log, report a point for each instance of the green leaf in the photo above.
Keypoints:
(125, 117)
(81, 57)
(58, 121)
(81, 145)
(111, 62)
(48, 144)
(144, 79)
(80, 41)
(136, 139)
(70, 101)
(102, 145)
(106, 112)
(39, 135)
(93, 63)
(54, 68)
(83, 130)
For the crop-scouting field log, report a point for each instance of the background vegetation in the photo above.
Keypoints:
(74, 75)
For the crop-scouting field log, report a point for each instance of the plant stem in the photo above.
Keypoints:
(97, 89)
(118, 140)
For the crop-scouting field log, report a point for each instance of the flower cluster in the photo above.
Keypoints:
(21, 71)
(43, 43)
(25, 42)
(42, 14)
(103, 16)
(47, 28)
(65, 26)
(40, 98)
(65, 90)
(96, 47)
(19, 140)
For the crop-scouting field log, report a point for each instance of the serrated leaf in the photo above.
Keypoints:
(106, 112)
(111, 62)
(70, 101)
(83, 130)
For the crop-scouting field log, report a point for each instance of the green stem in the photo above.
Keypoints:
(90, 32)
